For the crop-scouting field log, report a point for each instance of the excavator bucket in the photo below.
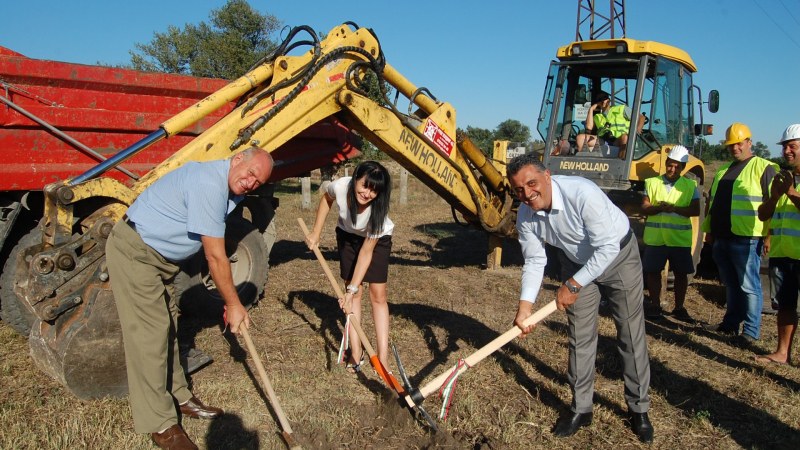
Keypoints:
(84, 350)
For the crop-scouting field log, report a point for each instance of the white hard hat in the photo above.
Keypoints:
(679, 153)
(791, 133)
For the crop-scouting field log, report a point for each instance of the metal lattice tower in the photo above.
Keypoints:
(593, 24)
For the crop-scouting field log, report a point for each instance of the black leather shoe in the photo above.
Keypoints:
(640, 424)
(196, 409)
(568, 424)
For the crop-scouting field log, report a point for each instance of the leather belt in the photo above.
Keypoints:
(624, 241)
(127, 220)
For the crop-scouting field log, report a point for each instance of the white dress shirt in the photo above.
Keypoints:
(582, 221)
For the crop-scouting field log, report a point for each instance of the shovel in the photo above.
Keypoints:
(417, 396)
(273, 399)
(376, 363)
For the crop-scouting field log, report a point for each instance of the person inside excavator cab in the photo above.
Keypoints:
(609, 123)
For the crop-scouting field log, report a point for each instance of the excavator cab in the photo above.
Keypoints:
(653, 80)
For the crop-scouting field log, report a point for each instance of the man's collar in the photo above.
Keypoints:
(556, 199)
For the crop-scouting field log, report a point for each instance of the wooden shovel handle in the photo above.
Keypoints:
(387, 377)
(485, 351)
(273, 399)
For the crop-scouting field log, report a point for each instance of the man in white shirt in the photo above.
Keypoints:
(597, 251)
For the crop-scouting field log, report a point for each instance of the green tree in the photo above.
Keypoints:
(761, 149)
(235, 39)
(514, 131)
(719, 152)
(481, 137)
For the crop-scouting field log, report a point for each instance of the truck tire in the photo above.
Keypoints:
(14, 310)
(248, 251)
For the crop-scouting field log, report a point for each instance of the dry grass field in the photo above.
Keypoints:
(705, 392)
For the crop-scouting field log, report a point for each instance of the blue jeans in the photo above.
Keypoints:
(739, 261)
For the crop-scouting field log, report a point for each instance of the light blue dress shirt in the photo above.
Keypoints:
(191, 201)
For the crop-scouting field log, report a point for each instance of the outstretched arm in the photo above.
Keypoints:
(220, 268)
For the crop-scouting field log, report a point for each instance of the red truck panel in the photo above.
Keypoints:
(108, 109)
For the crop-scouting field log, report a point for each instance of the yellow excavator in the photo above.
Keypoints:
(654, 80)
(62, 280)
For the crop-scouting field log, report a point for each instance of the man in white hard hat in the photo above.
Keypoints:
(783, 207)
(732, 223)
(669, 202)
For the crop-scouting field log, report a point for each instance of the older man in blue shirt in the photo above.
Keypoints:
(598, 254)
(181, 212)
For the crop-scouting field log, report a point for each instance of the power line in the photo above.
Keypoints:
(790, 12)
(776, 23)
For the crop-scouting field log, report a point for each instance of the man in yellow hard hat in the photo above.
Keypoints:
(669, 202)
(783, 207)
(732, 222)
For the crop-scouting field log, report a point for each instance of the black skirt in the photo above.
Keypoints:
(350, 244)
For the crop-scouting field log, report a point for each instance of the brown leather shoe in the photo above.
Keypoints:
(196, 409)
(173, 438)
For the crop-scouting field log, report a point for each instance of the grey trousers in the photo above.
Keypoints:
(622, 285)
(141, 280)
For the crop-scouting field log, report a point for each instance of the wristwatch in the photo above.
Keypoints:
(352, 289)
(572, 288)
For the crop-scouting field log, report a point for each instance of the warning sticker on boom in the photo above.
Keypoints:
(439, 138)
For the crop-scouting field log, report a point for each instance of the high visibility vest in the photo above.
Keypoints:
(747, 196)
(670, 229)
(784, 230)
(613, 121)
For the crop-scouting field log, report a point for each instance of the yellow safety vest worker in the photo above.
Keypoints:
(784, 230)
(670, 229)
(747, 196)
(613, 121)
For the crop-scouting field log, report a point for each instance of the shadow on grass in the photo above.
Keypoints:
(466, 329)
(457, 246)
(228, 432)
(696, 398)
(675, 334)
(332, 321)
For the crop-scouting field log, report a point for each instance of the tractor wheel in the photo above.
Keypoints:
(14, 310)
(248, 253)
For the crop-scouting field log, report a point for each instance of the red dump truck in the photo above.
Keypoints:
(58, 120)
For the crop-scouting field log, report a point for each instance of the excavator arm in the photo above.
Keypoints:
(63, 280)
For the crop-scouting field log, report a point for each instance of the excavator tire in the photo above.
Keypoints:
(14, 310)
(248, 251)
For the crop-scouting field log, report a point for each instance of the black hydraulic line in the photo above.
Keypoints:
(246, 133)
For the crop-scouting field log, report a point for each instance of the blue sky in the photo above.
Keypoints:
(487, 58)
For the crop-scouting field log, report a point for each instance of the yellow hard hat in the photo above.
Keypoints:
(737, 133)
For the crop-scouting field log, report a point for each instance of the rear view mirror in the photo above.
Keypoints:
(713, 100)
(705, 129)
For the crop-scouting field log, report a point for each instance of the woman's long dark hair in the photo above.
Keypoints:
(377, 178)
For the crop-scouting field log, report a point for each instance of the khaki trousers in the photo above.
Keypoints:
(141, 281)
(622, 285)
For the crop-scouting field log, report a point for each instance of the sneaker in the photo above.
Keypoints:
(721, 329)
(193, 360)
(682, 314)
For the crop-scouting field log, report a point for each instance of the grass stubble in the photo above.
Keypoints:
(705, 392)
